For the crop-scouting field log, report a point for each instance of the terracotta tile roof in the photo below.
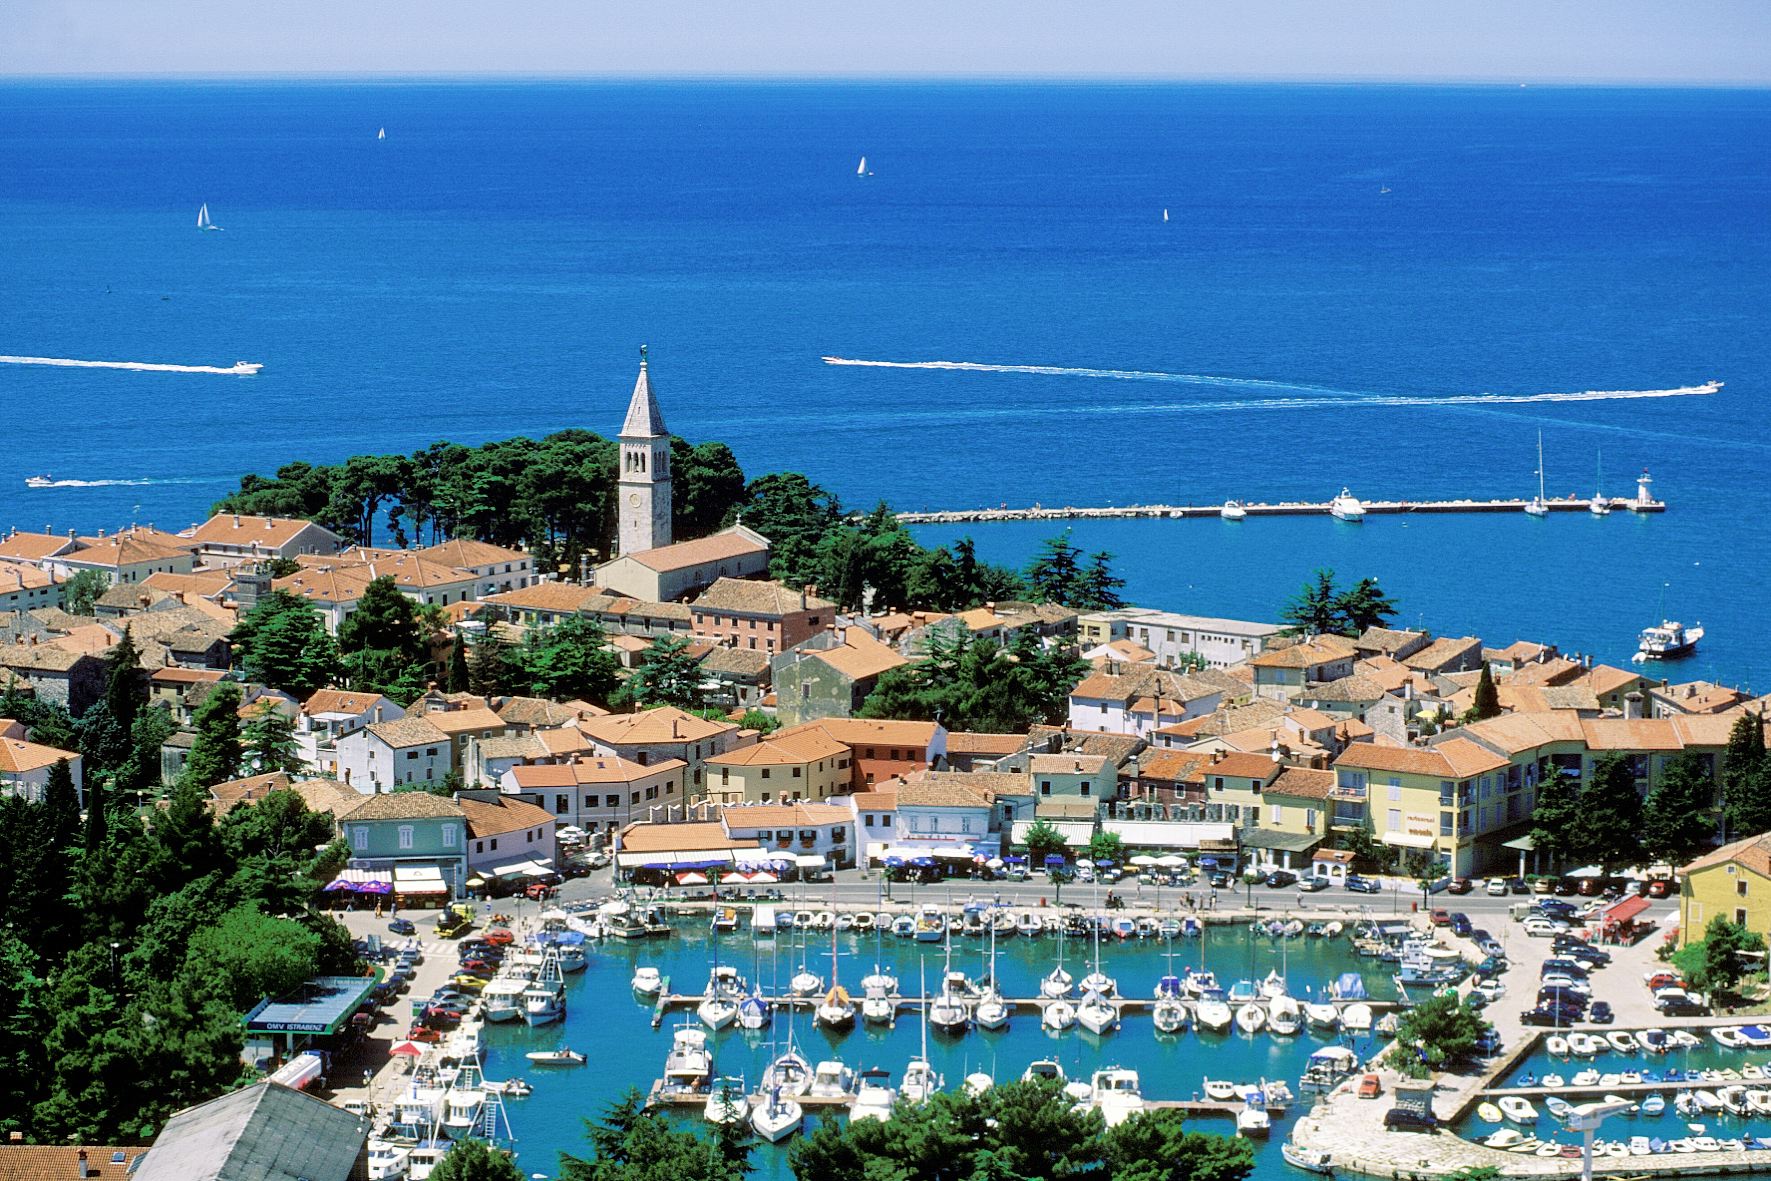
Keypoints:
(734, 662)
(860, 656)
(178, 675)
(1445, 651)
(1603, 678)
(326, 584)
(18, 756)
(666, 724)
(31, 547)
(875, 801)
(39, 657)
(1515, 733)
(594, 769)
(15, 576)
(1146, 681)
(206, 585)
(535, 711)
(1457, 758)
(408, 731)
(61, 1162)
(971, 742)
(464, 554)
(1309, 719)
(403, 805)
(327, 795)
(1356, 689)
(1118, 747)
(1242, 766)
(560, 597)
(782, 747)
(1557, 670)
(1705, 729)
(242, 530)
(1637, 734)
(1466, 758)
(562, 740)
(461, 721)
(340, 701)
(943, 789)
(1694, 697)
(1179, 766)
(1388, 640)
(1302, 783)
(641, 837)
(125, 549)
(720, 547)
(490, 819)
(1522, 651)
(1752, 852)
(251, 787)
(94, 639)
(1305, 653)
(1227, 720)
(747, 816)
(1069, 764)
(854, 732)
(751, 596)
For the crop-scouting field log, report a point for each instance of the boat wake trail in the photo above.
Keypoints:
(1312, 395)
(97, 483)
(238, 368)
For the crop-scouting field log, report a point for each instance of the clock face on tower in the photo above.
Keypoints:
(633, 498)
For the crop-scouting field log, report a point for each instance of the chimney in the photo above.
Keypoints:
(236, 520)
(1217, 756)
(805, 593)
(81, 1168)
(70, 533)
(269, 524)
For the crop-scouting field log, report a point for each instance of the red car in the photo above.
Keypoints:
(1660, 887)
(1441, 917)
(1460, 886)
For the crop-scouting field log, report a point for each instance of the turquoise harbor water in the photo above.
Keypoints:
(605, 1021)
(492, 265)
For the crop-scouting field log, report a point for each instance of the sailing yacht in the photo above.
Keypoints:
(1165, 215)
(1538, 506)
(203, 222)
(1600, 506)
(920, 1078)
(992, 1011)
(382, 134)
(1098, 981)
(1057, 983)
(861, 168)
(776, 1117)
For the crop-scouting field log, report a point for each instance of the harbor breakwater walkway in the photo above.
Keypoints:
(1289, 508)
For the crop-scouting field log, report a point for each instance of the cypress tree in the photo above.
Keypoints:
(123, 690)
(1487, 704)
(458, 675)
(97, 823)
(61, 807)
(215, 755)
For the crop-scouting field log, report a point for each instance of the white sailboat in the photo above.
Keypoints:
(1057, 983)
(920, 1077)
(992, 1011)
(1165, 215)
(203, 222)
(861, 168)
(776, 1117)
(1600, 506)
(1538, 506)
(382, 134)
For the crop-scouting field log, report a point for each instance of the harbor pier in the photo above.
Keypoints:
(1289, 508)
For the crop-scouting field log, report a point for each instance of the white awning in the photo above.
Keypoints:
(518, 869)
(419, 879)
(809, 860)
(1076, 833)
(1169, 834)
(1409, 840)
(667, 858)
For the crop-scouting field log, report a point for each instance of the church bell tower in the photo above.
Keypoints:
(644, 486)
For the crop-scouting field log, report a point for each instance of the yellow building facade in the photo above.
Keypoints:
(805, 765)
(1734, 882)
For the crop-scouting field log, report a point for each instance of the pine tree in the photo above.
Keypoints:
(1487, 703)
(1678, 817)
(1746, 777)
(61, 808)
(1556, 828)
(268, 742)
(489, 666)
(1316, 609)
(97, 831)
(666, 675)
(1364, 606)
(215, 755)
(458, 673)
(1611, 814)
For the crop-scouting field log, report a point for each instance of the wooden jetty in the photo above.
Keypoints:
(659, 1097)
(1289, 508)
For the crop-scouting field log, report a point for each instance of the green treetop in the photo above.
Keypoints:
(666, 675)
(282, 642)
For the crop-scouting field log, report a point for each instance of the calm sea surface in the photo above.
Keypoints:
(491, 267)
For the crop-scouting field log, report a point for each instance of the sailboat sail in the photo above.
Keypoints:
(203, 216)
(1165, 215)
(861, 168)
(382, 134)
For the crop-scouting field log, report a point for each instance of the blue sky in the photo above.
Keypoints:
(1651, 41)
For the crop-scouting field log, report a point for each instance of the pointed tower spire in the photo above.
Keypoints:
(644, 419)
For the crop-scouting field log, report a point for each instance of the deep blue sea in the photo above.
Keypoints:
(491, 267)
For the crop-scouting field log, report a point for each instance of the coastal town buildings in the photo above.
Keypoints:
(1174, 639)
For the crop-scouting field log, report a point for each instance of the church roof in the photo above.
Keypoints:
(644, 419)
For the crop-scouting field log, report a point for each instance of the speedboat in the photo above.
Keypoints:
(565, 1057)
(776, 1117)
(1489, 1113)
(1170, 1015)
(648, 981)
(1557, 1045)
(1284, 1016)
(1251, 1018)
(874, 1097)
(1253, 1122)
(1656, 1104)
(43, 481)
(727, 1103)
(1097, 1015)
(1058, 1015)
(1232, 511)
(689, 1065)
(1622, 1041)
(1727, 1037)
(920, 1081)
(1043, 1070)
(1356, 1017)
(1310, 1160)
(1212, 1013)
(1322, 1016)
(1517, 1109)
(1117, 1095)
(1505, 1138)
(1346, 507)
(832, 1080)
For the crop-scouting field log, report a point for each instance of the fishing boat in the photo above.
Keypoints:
(565, 1057)
(1058, 1015)
(1669, 641)
(1538, 506)
(1346, 507)
(544, 1000)
(1251, 1018)
(388, 1159)
(1117, 1094)
(1233, 511)
(1253, 1122)
(1284, 1016)
(1027, 923)
(777, 1116)
(689, 1064)
(502, 999)
(1327, 1067)
(930, 925)
(1043, 1070)
(1622, 1041)
(203, 222)
(726, 1103)
(874, 1096)
(1097, 1014)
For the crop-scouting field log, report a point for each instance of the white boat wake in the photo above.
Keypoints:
(237, 369)
(1318, 395)
(94, 484)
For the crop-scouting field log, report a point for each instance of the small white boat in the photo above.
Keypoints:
(1253, 1123)
(1557, 1045)
(1656, 1104)
(1346, 507)
(727, 1104)
(647, 981)
(976, 1083)
(776, 1117)
(1056, 983)
(921, 1080)
(381, 134)
(879, 1010)
(790, 1074)
(1232, 510)
(948, 1014)
(1505, 1138)
(1727, 1036)
(1214, 1015)
(1117, 1094)
(1043, 1070)
(1169, 1016)
(861, 168)
(1622, 1041)
(831, 1080)
(203, 222)
(1322, 1016)
(1585, 1045)
(992, 1012)
(1099, 983)
(1251, 1018)
(716, 1012)
(1518, 1109)
(1097, 1015)
(1058, 1015)
(1489, 1113)
(1285, 1017)
(1356, 1017)
(805, 983)
(566, 1057)
(1310, 1160)
(1554, 1080)
(874, 1097)
(1224, 1091)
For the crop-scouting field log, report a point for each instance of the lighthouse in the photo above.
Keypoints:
(1644, 498)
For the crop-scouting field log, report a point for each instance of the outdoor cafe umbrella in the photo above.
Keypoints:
(406, 1050)
(691, 879)
(1172, 861)
(1145, 859)
(474, 882)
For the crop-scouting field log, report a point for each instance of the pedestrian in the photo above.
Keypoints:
(368, 1076)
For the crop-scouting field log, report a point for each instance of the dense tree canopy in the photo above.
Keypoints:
(1441, 1031)
(282, 642)
(1058, 575)
(1746, 777)
(1679, 815)
(666, 674)
(971, 684)
(1322, 608)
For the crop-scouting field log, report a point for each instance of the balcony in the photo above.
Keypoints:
(1349, 792)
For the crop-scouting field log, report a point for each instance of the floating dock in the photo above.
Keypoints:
(660, 1097)
(1289, 508)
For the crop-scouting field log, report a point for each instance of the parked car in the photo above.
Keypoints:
(1542, 886)
(1660, 887)
(1370, 1087)
(1565, 984)
(1489, 946)
(1519, 885)
(1489, 989)
(1657, 981)
(1492, 965)
(1601, 1012)
(1310, 884)
(1585, 954)
(1440, 917)
(1280, 878)
(1588, 887)
(1565, 965)
(1539, 927)
(402, 926)
(1549, 1015)
(1361, 885)
(1460, 886)
(1407, 1119)
(1497, 887)
(1219, 880)
(1460, 923)
(1675, 1002)
(1564, 887)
